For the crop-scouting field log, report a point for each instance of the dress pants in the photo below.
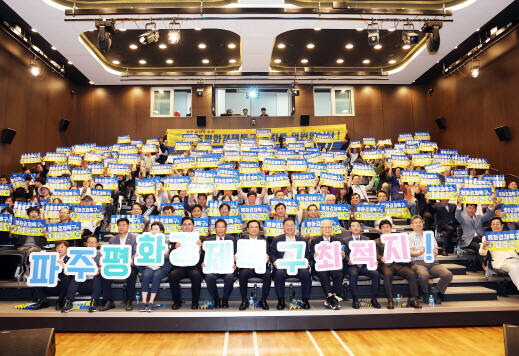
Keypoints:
(228, 282)
(402, 270)
(511, 266)
(90, 287)
(191, 272)
(60, 290)
(246, 274)
(448, 240)
(425, 270)
(354, 271)
(129, 290)
(303, 274)
(336, 276)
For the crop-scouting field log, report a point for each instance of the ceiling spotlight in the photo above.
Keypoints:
(116, 62)
(142, 61)
(169, 61)
(310, 46)
(69, 62)
(277, 60)
(304, 61)
(150, 36)
(281, 45)
(366, 61)
(409, 36)
(174, 33)
(34, 30)
(199, 91)
(205, 61)
(90, 82)
(198, 28)
(475, 66)
(231, 46)
(232, 61)
(202, 46)
(340, 61)
(373, 34)
(162, 46)
(378, 46)
(392, 61)
(34, 68)
(122, 29)
(349, 46)
(53, 48)
(359, 29)
(105, 28)
(133, 46)
(432, 31)
(317, 29)
(391, 29)
(406, 47)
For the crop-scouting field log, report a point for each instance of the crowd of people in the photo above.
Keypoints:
(364, 168)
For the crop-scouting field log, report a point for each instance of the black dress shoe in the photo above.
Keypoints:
(109, 305)
(445, 253)
(68, 306)
(306, 304)
(264, 304)
(40, 304)
(128, 306)
(217, 303)
(355, 304)
(244, 305)
(225, 303)
(59, 305)
(390, 305)
(281, 304)
(375, 303)
(93, 306)
(194, 305)
(415, 304)
(176, 306)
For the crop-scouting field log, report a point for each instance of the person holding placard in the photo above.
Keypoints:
(123, 237)
(402, 269)
(331, 294)
(353, 271)
(359, 189)
(312, 212)
(279, 274)
(194, 273)
(445, 223)
(508, 260)
(220, 228)
(423, 269)
(253, 230)
(28, 243)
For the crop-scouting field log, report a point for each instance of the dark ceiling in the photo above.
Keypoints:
(186, 55)
(330, 45)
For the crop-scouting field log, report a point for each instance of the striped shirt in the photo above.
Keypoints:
(416, 242)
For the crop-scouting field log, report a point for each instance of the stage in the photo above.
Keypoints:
(449, 314)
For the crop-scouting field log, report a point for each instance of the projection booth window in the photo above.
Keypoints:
(232, 101)
(170, 102)
(333, 101)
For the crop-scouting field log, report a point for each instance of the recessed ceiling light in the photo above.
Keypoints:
(232, 61)
(162, 46)
(406, 47)
(115, 61)
(122, 29)
(142, 61)
(169, 61)
(231, 46)
(69, 62)
(277, 60)
(349, 46)
(198, 28)
(304, 60)
(360, 29)
(317, 29)
(340, 61)
(202, 45)
(366, 61)
(53, 48)
(34, 30)
(91, 82)
(281, 45)
(377, 46)
(391, 29)
(310, 46)
(392, 61)
(205, 61)
(133, 46)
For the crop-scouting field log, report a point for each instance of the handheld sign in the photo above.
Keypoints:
(328, 256)
(44, 269)
(503, 240)
(150, 250)
(396, 248)
(115, 261)
(81, 263)
(294, 256)
(252, 254)
(428, 255)
(363, 252)
(219, 257)
(188, 254)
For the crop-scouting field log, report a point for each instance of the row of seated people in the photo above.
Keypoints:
(417, 272)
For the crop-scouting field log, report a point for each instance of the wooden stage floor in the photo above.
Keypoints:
(473, 341)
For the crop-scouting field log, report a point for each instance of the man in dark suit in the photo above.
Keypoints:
(123, 237)
(253, 228)
(280, 275)
(355, 270)
(220, 228)
(445, 223)
(330, 293)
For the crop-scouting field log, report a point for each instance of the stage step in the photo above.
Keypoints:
(456, 269)
(467, 293)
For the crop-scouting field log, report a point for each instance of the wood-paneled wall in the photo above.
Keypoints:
(31, 106)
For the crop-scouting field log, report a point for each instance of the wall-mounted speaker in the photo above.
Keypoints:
(304, 120)
(503, 133)
(441, 122)
(200, 121)
(8, 135)
(63, 124)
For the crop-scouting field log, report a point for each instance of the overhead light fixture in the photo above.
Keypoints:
(251, 93)
(116, 62)
(162, 46)
(432, 31)
(373, 34)
(34, 30)
(317, 29)
(392, 61)
(340, 61)
(90, 82)
(202, 46)
(475, 67)
(378, 46)
(122, 29)
(310, 46)
(34, 68)
(391, 29)
(281, 45)
(133, 46)
(53, 48)
(174, 33)
(205, 61)
(366, 61)
(277, 60)
(142, 61)
(151, 35)
(232, 61)
(304, 61)
(406, 47)
(409, 36)
(69, 63)
(198, 28)
(360, 29)
(349, 46)
(105, 28)
(169, 61)
(231, 46)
